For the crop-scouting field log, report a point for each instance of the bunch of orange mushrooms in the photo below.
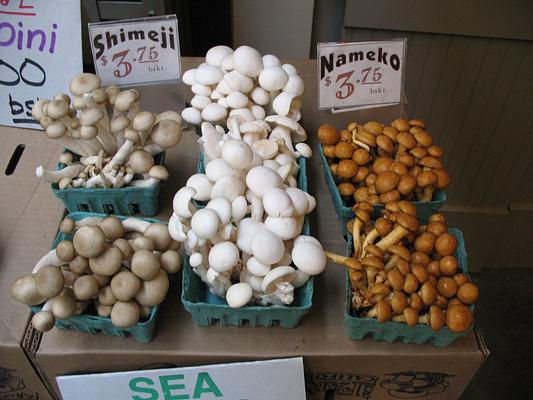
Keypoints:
(381, 164)
(403, 271)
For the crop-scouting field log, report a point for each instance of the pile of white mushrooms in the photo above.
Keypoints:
(120, 267)
(246, 244)
(254, 96)
(114, 139)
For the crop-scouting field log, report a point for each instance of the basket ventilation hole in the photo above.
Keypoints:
(83, 207)
(134, 208)
(109, 209)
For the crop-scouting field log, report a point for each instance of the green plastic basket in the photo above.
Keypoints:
(424, 209)
(357, 328)
(301, 178)
(207, 308)
(122, 201)
(142, 331)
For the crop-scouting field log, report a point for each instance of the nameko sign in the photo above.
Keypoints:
(40, 51)
(136, 51)
(360, 75)
(261, 380)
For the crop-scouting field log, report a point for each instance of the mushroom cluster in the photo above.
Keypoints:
(244, 84)
(407, 272)
(115, 140)
(120, 267)
(380, 164)
(243, 242)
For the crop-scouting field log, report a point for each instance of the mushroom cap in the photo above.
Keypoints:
(49, 281)
(65, 251)
(246, 230)
(90, 116)
(373, 262)
(395, 279)
(447, 287)
(181, 202)
(86, 287)
(63, 306)
(237, 154)
(374, 250)
(106, 296)
(277, 275)
(260, 96)
(112, 228)
(398, 302)
(159, 234)
(256, 267)
(222, 207)
(278, 203)
(145, 264)
(84, 83)
(55, 130)
(125, 99)
(56, 109)
(309, 258)
(239, 294)
(458, 318)
(295, 85)
(409, 222)
(166, 133)
(448, 265)
(205, 223)
(267, 247)
(170, 261)
(400, 250)
(424, 243)
(125, 285)
(247, 61)
(261, 179)
(229, 187)
(223, 256)
(24, 290)
(67, 226)
(143, 121)
(217, 168)
(446, 244)
(79, 265)
(436, 318)
(89, 241)
(410, 284)
(468, 293)
(107, 263)
(153, 292)
(428, 293)
(125, 314)
(124, 246)
(141, 161)
(384, 311)
(142, 243)
(273, 78)
(215, 55)
(43, 321)
(411, 316)
(286, 228)
(208, 75)
(213, 112)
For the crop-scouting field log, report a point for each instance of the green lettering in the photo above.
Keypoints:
(199, 389)
(134, 387)
(168, 387)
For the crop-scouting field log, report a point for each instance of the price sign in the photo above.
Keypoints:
(261, 380)
(34, 36)
(136, 51)
(360, 75)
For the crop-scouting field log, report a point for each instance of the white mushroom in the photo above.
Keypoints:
(239, 294)
(223, 256)
(202, 185)
(308, 257)
(267, 247)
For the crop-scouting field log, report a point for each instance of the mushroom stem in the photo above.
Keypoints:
(153, 148)
(393, 237)
(369, 239)
(427, 195)
(392, 262)
(135, 225)
(70, 171)
(120, 156)
(49, 258)
(145, 183)
(257, 208)
(356, 233)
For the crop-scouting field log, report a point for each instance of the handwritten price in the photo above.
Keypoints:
(124, 66)
(369, 76)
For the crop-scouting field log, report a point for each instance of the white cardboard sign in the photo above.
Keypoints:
(359, 75)
(136, 51)
(260, 380)
(40, 52)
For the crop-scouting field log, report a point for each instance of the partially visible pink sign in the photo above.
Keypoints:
(40, 51)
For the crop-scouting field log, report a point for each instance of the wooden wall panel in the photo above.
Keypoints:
(477, 96)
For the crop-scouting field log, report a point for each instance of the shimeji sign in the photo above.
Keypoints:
(261, 380)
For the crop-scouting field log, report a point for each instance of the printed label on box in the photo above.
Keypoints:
(360, 75)
(136, 51)
(261, 380)
(40, 52)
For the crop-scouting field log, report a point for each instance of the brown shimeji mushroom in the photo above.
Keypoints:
(409, 316)
(434, 318)
(382, 311)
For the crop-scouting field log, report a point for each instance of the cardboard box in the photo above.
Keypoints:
(29, 222)
(334, 365)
